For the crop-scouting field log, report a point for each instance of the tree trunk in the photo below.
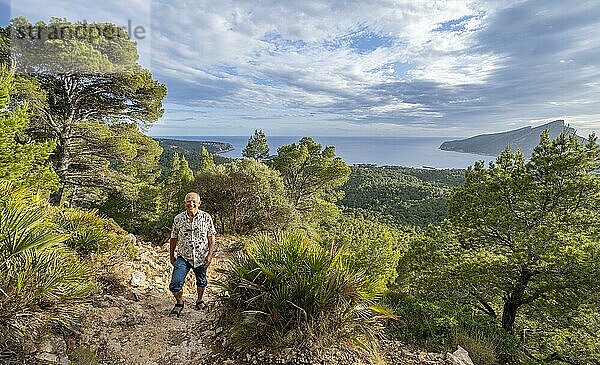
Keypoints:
(509, 314)
(515, 299)
(63, 160)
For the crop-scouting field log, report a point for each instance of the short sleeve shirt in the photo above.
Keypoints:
(192, 236)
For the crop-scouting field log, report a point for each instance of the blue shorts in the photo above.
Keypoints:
(180, 270)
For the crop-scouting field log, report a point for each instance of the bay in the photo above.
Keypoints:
(397, 151)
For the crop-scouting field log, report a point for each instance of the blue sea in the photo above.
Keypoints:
(398, 151)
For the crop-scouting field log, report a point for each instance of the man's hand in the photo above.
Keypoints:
(207, 260)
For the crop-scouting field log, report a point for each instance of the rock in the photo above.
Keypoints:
(208, 333)
(52, 349)
(130, 237)
(459, 357)
(52, 358)
(137, 278)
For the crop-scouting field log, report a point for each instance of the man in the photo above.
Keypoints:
(193, 235)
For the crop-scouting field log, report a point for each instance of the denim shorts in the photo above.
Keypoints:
(181, 267)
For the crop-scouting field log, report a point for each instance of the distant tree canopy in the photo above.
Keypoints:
(199, 154)
(257, 146)
(207, 162)
(310, 174)
(523, 237)
(84, 92)
(400, 195)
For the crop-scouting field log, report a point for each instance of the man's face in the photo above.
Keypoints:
(191, 203)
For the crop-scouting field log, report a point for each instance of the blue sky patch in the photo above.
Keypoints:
(367, 42)
(362, 41)
(282, 43)
(401, 68)
(454, 24)
(4, 12)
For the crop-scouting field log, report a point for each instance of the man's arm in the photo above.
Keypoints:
(211, 247)
(172, 245)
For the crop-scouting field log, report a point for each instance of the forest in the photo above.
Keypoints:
(501, 259)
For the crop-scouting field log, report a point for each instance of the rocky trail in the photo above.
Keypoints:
(129, 324)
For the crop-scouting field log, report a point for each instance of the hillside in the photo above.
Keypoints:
(525, 139)
(192, 151)
(400, 195)
(195, 146)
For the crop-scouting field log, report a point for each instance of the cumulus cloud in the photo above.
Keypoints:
(387, 66)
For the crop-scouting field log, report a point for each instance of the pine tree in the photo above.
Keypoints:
(257, 147)
(521, 243)
(207, 163)
(86, 90)
(311, 173)
(24, 163)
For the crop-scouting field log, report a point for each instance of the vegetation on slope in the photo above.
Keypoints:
(400, 195)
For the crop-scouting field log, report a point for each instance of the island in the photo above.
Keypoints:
(524, 139)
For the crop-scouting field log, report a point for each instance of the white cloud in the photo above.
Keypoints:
(470, 66)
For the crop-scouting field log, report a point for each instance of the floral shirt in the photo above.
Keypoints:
(192, 236)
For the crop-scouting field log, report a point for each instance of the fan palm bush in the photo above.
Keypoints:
(88, 232)
(37, 271)
(289, 290)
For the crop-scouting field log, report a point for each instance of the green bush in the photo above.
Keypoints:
(291, 290)
(366, 244)
(39, 275)
(244, 196)
(442, 326)
(83, 356)
(88, 233)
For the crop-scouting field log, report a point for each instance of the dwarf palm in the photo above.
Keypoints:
(291, 289)
(35, 269)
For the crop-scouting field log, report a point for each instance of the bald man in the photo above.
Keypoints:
(193, 237)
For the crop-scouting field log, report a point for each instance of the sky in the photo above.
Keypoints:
(358, 68)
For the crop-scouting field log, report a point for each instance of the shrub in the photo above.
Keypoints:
(36, 270)
(88, 233)
(291, 290)
(442, 326)
(366, 244)
(245, 196)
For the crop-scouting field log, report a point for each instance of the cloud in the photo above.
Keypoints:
(461, 66)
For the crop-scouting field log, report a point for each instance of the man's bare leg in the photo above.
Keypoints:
(200, 293)
(179, 306)
(178, 296)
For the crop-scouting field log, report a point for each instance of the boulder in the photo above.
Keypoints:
(459, 357)
(52, 349)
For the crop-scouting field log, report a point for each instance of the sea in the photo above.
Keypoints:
(383, 151)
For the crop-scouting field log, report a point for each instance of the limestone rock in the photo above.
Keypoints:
(460, 357)
(52, 349)
(137, 278)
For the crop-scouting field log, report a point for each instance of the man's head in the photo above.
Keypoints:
(192, 202)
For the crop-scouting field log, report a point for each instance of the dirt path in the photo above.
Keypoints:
(134, 327)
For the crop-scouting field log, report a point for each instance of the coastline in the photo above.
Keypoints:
(416, 152)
